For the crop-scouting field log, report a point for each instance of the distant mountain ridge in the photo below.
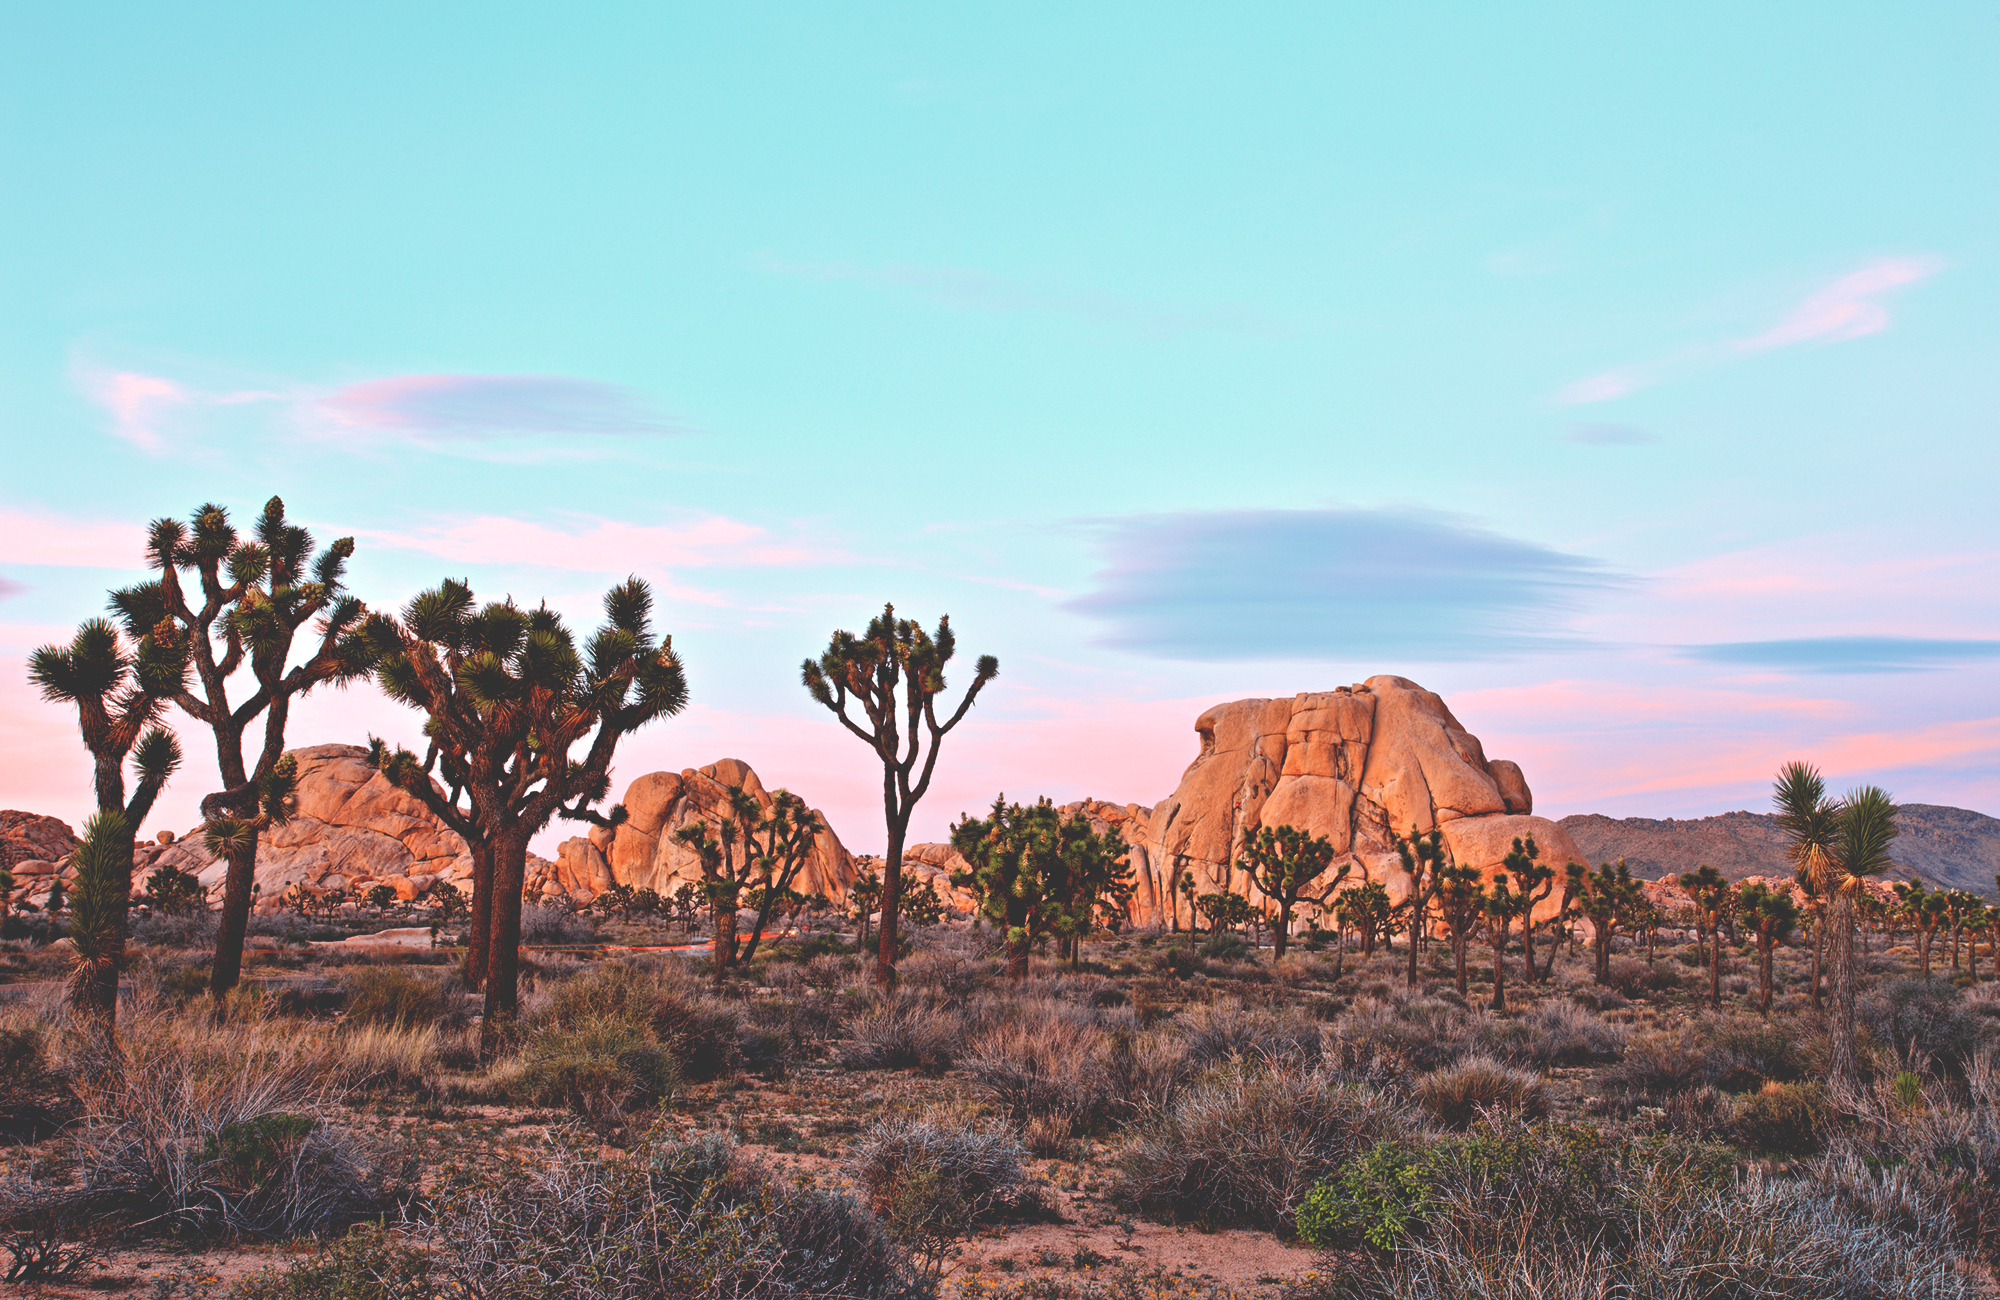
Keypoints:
(1947, 848)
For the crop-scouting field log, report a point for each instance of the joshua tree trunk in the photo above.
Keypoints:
(1841, 1031)
(1764, 972)
(725, 937)
(234, 922)
(1715, 968)
(892, 885)
(503, 960)
(1819, 957)
(479, 934)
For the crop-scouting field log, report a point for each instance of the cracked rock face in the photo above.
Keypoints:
(1354, 764)
(642, 852)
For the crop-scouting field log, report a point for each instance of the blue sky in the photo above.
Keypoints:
(1626, 376)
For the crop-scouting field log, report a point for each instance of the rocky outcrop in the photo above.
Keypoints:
(351, 830)
(1356, 765)
(643, 853)
(35, 850)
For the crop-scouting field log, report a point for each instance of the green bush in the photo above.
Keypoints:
(1375, 1201)
(1227, 946)
(699, 1032)
(599, 1069)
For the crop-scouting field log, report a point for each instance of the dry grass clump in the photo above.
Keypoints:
(1730, 1052)
(929, 1173)
(394, 997)
(1242, 1145)
(905, 1029)
(1227, 1030)
(230, 1128)
(1457, 1094)
(1406, 1032)
(1552, 1033)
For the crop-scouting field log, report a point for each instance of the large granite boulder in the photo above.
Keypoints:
(35, 850)
(643, 853)
(1356, 764)
(350, 830)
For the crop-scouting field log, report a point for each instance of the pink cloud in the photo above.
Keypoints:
(1845, 309)
(36, 537)
(135, 401)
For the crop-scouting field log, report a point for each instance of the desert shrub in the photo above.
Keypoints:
(700, 1032)
(1227, 1030)
(1409, 1033)
(1793, 1118)
(1375, 1201)
(903, 1030)
(393, 996)
(158, 929)
(1178, 962)
(679, 1220)
(553, 927)
(1244, 1144)
(1725, 1052)
(1922, 1023)
(229, 1128)
(599, 1068)
(930, 1174)
(1635, 978)
(1227, 946)
(1553, 1033)
(1457, 1094)
(1047, 1062)
(950, 974)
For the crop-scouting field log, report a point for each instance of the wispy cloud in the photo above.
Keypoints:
(980, 291)
(1331, 584)
(596, 545)
(1848, 308)
(8, 588)
(474, 406)
(1849, 654)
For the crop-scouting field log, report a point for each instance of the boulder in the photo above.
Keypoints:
(643, 853)
(1357, 765)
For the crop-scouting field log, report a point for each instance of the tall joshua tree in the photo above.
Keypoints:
(253, 596)
(119, 690)
(894, 673)
(1423, 862)
(508, 698)
(1288, 864)
(1769, 914)
(1710, 892)
(1840, 843)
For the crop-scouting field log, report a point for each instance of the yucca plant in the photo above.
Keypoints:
(119, 686)
(1771, 915)
(253, 597)
(894, 673)
(508, 698)
(97, 907)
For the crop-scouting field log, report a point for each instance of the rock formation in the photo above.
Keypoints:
(351, 830)
(642, 852)
(35, 850)
(1354, 764)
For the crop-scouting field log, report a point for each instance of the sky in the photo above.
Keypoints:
(1626, 375)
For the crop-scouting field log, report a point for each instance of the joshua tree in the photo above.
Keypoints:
(1710, 893)
(1841, 843)
(1223, 910)
(1770, 915)
(1533, 880)
(1001, 850)
(1088, 874)
(1925, 911)
(864, 896)
(97, 909)
(781, 842)
(1184, 888)
(775, 847)
(869, 670)
(1500, 907)
(255, 595)
(1609, 897)
(508, 697)
(723, 878)
(1367, 909)
(1959, 908)
(1287, 864)
(1460, 896)
(1423, 861)
(118, 694)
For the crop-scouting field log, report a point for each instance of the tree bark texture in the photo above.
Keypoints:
(1842, 1064)
(235, 920)
(503, 962)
